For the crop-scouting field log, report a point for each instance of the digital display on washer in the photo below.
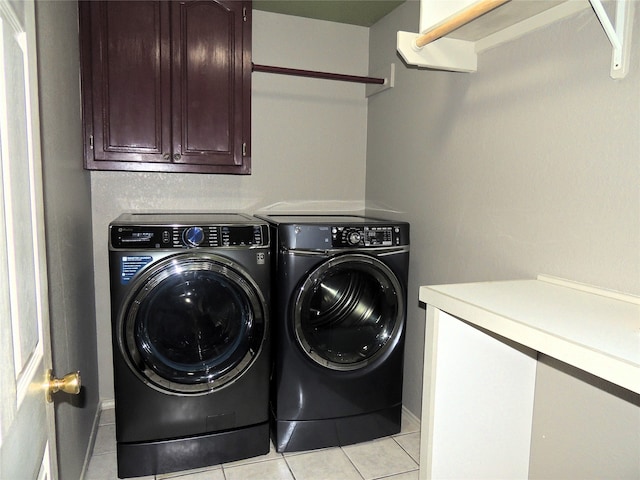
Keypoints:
(241, 236)
(139, 237)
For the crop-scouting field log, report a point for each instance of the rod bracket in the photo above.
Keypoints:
(389, 75)
(443, 54)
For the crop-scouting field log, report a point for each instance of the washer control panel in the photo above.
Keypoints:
(191, 236)
(365, 236)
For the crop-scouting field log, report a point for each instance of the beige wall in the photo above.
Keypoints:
(585, 427)
(309, 140)
(530, 165)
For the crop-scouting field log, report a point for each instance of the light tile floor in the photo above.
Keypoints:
(389, 458)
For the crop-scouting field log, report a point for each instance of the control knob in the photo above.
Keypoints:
(353, 237)
(193, 236)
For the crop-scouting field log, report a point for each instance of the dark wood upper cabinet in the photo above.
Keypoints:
(167, 85)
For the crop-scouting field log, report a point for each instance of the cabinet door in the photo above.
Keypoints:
(126, 82)
(211, 83)
(167, 85)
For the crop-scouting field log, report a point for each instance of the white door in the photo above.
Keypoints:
(27, 448)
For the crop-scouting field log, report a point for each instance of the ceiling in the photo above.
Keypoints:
(355, 12)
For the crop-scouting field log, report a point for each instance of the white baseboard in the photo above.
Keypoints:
(92, 440)
(410, 415)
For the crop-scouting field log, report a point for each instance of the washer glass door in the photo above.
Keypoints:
(192, 324)
(348, 312)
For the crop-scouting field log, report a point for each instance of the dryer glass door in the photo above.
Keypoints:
(192, 324)
(348, 312)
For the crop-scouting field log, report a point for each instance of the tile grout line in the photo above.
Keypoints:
(354, 465)
(293, 475)
(404, 449)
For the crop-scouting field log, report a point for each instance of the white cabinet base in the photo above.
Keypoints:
(481, 403)
(482, 343)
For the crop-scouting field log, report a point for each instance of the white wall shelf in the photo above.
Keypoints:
(458, 49)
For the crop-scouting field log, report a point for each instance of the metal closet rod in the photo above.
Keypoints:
(313, 74)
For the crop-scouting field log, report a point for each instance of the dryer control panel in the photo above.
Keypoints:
(324, 237)
(365, 236)
(191, 236)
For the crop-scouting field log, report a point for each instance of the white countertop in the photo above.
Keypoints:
(595, 330)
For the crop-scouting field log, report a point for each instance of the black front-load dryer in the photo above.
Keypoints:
(191, 348)
(340, 284)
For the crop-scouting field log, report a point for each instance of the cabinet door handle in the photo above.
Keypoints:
(166, 156)
(176, 156)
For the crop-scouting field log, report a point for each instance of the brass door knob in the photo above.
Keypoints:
(70, 383)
